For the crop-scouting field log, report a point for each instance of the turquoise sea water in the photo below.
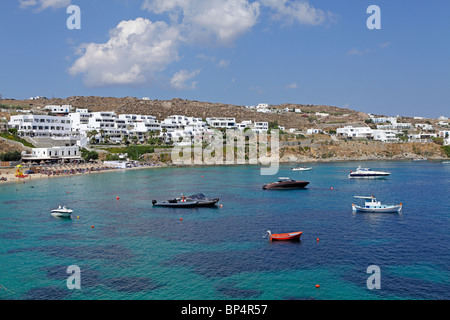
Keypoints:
(136, 251)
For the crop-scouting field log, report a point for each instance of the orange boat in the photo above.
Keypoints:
(284, 236)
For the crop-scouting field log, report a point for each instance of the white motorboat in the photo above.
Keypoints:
(61, 212)
(367, 173)
(301, 169)
(372, 205)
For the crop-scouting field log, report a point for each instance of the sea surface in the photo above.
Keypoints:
(126, 249)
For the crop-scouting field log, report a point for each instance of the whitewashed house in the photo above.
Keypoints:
(227, 123)
(351, 132)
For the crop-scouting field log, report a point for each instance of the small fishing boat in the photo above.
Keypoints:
(285, 183)
(283, 236)
(61, 212)
(445, 162)
(372, 205)
(301, 169)
(202, 200)
(367, 173)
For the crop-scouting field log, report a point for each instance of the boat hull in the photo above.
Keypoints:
(368, 176)
(387, 209)
(61, 214)
(286, 236)
(207, 203)
(177, 204)
(286, 185)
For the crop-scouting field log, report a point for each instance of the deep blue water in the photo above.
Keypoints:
(136, 251)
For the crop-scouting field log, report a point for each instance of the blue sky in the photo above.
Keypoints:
(240, 52)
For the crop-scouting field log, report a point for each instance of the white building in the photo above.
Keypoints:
(383, 119)
(41, 126)
(444, 134)
(53, 154)
(385, 135)
(314, 131)
(227, 123)
(395, 126)
(65, 109)
(260, 126)
(424, 126)
(350, 132)
(424, 137)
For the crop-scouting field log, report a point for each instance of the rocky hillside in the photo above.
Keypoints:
(361, 150)
(164, 108)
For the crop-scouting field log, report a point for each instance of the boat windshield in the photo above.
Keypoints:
(198, 196)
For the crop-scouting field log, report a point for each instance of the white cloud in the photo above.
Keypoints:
(292, 86)
(209, 22)
(136, 51)
(297, 11)
(356, 52)
(224, 63)
(180, 78)
(44, 4)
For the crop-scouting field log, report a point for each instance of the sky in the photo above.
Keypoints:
(242, 52)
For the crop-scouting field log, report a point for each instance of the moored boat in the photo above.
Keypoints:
(61, 212)
(202, 200)
(284, 236)
(372, 205)
(301, 169)
(367, 173)
(285, 183)
(175, 203)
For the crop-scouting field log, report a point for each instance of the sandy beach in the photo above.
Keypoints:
(61, 171)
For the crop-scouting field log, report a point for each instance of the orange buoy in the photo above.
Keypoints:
(181, 219)
(202, 176)
(92, 227)
(221, 205)
(317, 239)
(117, 198)
(317, 286)
(331, 188)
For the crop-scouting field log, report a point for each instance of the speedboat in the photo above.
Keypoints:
(284, 236)
(446, 162)
(61, 212)
(202, 200)
(372, 205)
(175, 203)
(367, 173)
(301, 169)
(285, 183)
